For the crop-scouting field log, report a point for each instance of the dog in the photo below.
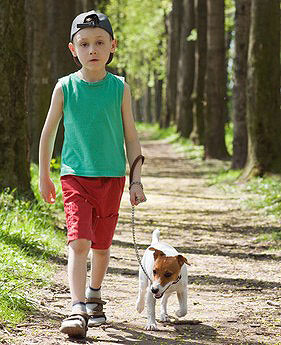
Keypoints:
(167, 270)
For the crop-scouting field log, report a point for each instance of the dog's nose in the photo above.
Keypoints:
(154, 290)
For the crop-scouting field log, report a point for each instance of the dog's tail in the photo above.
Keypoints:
(155, 236)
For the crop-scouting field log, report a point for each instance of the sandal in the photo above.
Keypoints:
(75, 325)
(95, 312)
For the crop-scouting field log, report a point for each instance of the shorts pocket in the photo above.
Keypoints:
(104, 230)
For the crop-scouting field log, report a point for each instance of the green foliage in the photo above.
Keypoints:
(140, 30)
(153, 131)
(28, 239)
(229, 137)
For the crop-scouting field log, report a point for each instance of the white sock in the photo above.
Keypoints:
(78, 307)
(93, 293)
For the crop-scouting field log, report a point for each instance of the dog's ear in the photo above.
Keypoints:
(182, 260)
(157, 253)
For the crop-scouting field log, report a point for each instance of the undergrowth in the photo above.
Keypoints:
(29, 241)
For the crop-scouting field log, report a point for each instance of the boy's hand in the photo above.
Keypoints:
(136, 195)
(47, 191)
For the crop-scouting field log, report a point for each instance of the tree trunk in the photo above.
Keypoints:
(197, 135)
(14, 145)
(39, 85)
(263, 94)
(147, 105)
(174, 23)
(240, 136)
(158, 90)
(185, 78)
(215, 84)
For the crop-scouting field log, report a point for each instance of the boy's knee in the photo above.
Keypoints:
(80, 246)
(102, 252)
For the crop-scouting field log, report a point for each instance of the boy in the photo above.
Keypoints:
(97, 120)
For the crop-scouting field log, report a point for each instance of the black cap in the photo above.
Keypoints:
(92, 19)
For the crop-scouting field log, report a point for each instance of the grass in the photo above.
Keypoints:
(29, 240)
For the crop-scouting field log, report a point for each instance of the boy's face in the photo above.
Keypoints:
(92, 46)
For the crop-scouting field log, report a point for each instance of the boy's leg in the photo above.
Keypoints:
(99, 265)
(77, 269)
(76, 324)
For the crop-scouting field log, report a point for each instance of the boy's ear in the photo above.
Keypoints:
(113, 46)
(72, 49)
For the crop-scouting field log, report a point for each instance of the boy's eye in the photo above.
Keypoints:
(168, 274)
(84, 44)
(100, 43)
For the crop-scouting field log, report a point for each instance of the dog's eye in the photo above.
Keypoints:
(154, 272)
(168, 274)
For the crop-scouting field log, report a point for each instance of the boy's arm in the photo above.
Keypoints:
(47, 141)
(133, 148)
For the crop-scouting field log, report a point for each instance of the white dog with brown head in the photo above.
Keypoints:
(168, 273)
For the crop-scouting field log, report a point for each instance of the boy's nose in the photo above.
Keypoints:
(92, 51)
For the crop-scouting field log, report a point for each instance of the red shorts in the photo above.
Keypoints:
(91, 206)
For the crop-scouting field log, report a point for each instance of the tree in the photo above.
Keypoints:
(240, 136)
(39, 85)
(215, 83)
(197, 135)
(185, 77)
(14, 159)
(174, 24)
(263, 93)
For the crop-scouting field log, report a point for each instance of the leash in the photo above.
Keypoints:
(133, 227)
(140, 157)
(135, 245)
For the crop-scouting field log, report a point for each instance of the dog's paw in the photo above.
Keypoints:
(140, 305)
(151, 326)
(164, 318)
(181, 312)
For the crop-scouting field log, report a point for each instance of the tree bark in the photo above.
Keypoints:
(216, 83)
(263, 94)
(185, 78)
(197, 135)
(158, 94)
(174, 23)
(240, 136)
(39, 85)
(14, 145)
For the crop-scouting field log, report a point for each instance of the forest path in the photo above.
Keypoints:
(234, 293)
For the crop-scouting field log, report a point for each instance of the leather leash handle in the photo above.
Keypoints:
(134, 165)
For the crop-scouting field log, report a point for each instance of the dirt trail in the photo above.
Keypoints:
(234, 283)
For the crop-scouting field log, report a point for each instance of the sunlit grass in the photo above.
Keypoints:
(28, 240)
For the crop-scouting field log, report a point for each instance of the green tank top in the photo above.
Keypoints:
(93, 128)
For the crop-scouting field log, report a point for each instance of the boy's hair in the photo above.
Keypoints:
(91, 19)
